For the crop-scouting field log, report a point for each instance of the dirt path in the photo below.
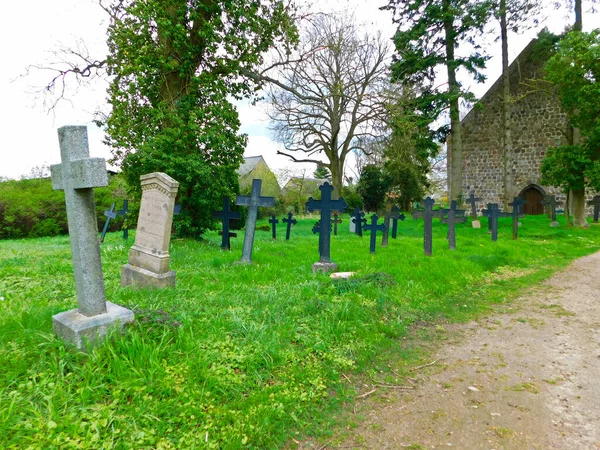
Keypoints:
(528, 378)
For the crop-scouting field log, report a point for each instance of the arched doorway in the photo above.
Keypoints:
(533, 196)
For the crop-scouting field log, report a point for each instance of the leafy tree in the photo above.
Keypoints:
(373, 186)
(428, 36)
(575, 72)
(322, 173)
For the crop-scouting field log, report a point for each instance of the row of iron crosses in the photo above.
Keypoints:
(328, 207)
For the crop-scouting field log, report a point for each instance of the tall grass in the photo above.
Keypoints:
(242, 356)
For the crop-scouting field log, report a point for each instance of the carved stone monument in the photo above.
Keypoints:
(252, 201)
(149, 257)
(77, 175)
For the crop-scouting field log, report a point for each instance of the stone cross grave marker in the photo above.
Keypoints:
(290, 221)
(472, 200)
(77, 175)
(226, 215)
(110, 214)
(516, 214)
(148, 264)
(336, 220)
(595, 202)
(273, 221)
(326, 205)
(373, 227)
(396, 216)
(493, 213)
(428, 214)
(123, 212)
(358, 220)
(252, 201)
(550, 202)
(454, 216)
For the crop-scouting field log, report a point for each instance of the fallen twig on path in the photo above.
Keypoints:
(366, 394)
(414, 369)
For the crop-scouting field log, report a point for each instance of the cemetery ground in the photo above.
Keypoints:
(267, 355)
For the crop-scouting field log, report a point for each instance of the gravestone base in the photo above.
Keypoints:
(476, 224)
(83, 331)
(142, 278)
(324, 267)
(555, 224)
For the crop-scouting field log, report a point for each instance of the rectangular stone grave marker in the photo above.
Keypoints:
(517, 213)
(124, 212)
(454, 216)
(149, 257)
(550, 202)
(595, 202)
(290, 221)
(326, 205)
(273, 221)
(226, 216)
(253, 201)
(373, 227)
(77, 175)
(110, 214)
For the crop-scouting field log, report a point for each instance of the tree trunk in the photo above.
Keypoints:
(506, 114)
(335, 167)
(578, 199)
(578, 25)
(457, 163)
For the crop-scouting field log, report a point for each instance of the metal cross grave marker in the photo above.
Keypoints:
(454, 216)
(290, 221)
(550, 202)
(358, 219)
(273, 221)
(335, 221)
(516, 214)
(595, 202)
(472, 200)
(253, 201)
(427, 214)
(123, 212)
(326, 205)
(396, 216)
(373, 227)
(110, 214)
(226, 216)
(493, 213)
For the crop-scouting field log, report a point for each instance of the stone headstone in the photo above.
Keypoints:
(149, 257)
(77, 175)
(226, 215)
(253, 201)
(289, 221)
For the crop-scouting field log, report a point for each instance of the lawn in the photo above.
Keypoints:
(243, 356)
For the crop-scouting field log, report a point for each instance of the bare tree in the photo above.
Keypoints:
(330, 97)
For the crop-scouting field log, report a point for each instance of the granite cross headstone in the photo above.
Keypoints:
(226, 216)
(595, 202)
(124, 212)
(77, 175)
(373, 227)
(396, 216)
(550, 202)
(110, 214)
(517, 208)
(335, 221)
(454, 216)
(290, 221)
(148, 264)
(273, 221)
(427, 214)
(358, 221)
(253, 201)
(326, 205)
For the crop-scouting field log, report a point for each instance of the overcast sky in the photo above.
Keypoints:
(31, 30)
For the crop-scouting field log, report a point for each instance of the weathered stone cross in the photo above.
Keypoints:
(273, 221)
(110, 214)
(290, 221)
(226, 215)
(326, 205)
(373, 227)
(550, 202)
(516, 214)
(77, 175)
(454, 216)
(596, 203)
(253, 201)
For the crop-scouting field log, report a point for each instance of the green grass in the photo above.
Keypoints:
(243, 356)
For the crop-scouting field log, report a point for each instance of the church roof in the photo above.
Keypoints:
(249, 164)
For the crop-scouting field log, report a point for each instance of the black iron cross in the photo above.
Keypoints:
(595, 202)
(226, 215)
(289, 222)
(123, 212)
(493, 213)
(428, 214)
(358, 220)
(335, 221)
(373, 227)
(252, 201)
(273, 221)
(326, 205)
(110, 214)
(550, 202)
(472, 200)
(517, 213)
(396, 215)
(454, 216)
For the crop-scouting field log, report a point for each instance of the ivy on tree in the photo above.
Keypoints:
(174, 66)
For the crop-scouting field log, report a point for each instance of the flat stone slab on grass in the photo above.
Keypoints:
(341, 275)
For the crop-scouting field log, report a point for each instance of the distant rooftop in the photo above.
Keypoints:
(248, 165)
